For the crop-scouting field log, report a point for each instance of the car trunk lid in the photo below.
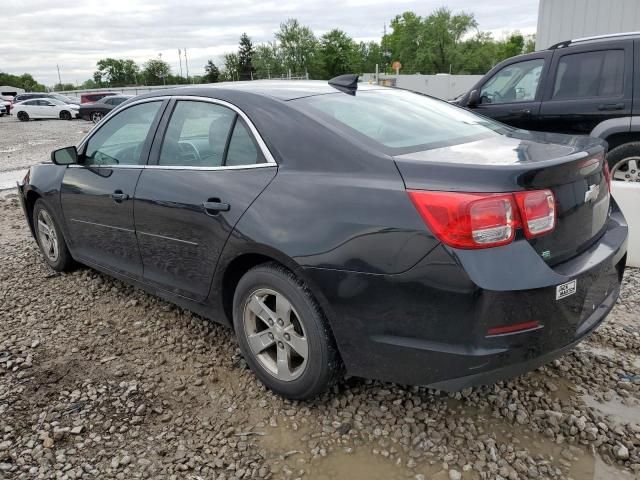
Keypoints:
(571, 167)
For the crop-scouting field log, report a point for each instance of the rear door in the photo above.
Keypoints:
(207, 165)
(512, 94)
(587, 85)
(97, 195)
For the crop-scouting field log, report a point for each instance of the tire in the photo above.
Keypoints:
(64, 115)
(624, 162)
(23, 116)
(96, 116)
(306, 327)
(52, 244)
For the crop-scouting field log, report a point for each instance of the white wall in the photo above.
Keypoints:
(443, 86)
(560, 20)
(627, 195)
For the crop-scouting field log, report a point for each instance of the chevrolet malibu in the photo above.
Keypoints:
(343, 228)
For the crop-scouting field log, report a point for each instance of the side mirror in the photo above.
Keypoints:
(474, 98)
(65, 156)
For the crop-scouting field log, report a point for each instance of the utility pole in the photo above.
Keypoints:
(164, 82)
(186, 63)
(180, 57)
(59, 79)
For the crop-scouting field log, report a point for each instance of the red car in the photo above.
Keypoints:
(94, 97)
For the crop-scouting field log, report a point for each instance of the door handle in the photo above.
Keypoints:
(611, 106)
(524, 111)
(118, 196)
(213, 206)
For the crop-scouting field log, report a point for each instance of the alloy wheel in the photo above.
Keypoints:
(627, 170)
(275, 334)
(96, 117)
(48, 236)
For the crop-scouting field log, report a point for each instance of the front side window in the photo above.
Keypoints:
(120, 140)
(517, 82)
(590, 74)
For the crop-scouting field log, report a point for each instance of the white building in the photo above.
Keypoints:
(560, 20)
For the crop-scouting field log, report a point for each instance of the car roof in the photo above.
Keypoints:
(280, 89)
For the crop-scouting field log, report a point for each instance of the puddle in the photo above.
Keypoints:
(621, 411)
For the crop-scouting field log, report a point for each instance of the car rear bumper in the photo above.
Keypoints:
(430, 325)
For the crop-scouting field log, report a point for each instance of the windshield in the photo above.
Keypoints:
(398, 121)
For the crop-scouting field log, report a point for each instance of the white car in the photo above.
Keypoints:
(44, 108)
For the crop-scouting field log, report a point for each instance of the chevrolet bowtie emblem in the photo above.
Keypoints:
(592, 193)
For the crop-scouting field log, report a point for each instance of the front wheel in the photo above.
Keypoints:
(624, 162)
(283, 334)
(64, 115)
(23, 116)
(50, 239)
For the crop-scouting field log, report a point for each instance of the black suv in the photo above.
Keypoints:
(584, 86)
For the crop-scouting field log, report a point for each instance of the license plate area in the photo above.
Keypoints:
(566, 289)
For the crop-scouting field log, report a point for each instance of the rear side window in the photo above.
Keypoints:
(397, 121)
(242, 147)
(196, 135)
(590, 74)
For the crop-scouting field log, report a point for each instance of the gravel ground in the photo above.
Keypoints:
(23, 144)
(100, 380)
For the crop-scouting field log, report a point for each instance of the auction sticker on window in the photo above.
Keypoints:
(566, 289)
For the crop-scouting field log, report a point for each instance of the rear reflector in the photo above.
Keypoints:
(483, 220)
(515, 328)
(538, 212)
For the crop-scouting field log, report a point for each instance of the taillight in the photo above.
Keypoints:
(538, 211)
(483, 220)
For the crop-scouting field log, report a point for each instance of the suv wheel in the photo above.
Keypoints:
(624, 162)
(283, 334)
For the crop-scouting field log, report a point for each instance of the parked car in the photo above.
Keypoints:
(95, 111)
(44, 108)
(583, 86)
(3, 109)
(94, 97)
(338, 226)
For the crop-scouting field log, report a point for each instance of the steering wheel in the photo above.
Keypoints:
(188, 149)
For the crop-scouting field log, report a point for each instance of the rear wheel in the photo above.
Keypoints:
(50, 239)
(23, 116)
(96, 117)
(64, 115)
(624, 162)
(283, 334)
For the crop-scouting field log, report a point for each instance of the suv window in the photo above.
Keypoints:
(121, 139)
(517, 82)
(590, 74)
(196, 135)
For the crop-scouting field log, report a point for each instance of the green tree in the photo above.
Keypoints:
(156, 72)
(61, 87)
(245, 56)
(231, 66)
(369, 55)
(338, 53)
(211, 72)
(24, 81)
(267, 61)
(298, 47)
(116, 72)
(404, 41)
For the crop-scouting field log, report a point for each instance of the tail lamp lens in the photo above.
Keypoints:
(483, 220)
(607, 174)
(538, 211)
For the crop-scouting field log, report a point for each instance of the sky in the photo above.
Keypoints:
(37, 35)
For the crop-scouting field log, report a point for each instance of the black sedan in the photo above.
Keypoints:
(95, 111)
(343, 229)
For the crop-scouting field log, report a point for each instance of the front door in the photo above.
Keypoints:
(207, 171)
(511, 95)
(589, 84)
(97, 194)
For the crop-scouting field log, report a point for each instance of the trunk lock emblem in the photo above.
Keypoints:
(592, 193)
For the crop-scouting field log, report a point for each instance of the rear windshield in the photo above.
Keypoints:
(398, 121)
